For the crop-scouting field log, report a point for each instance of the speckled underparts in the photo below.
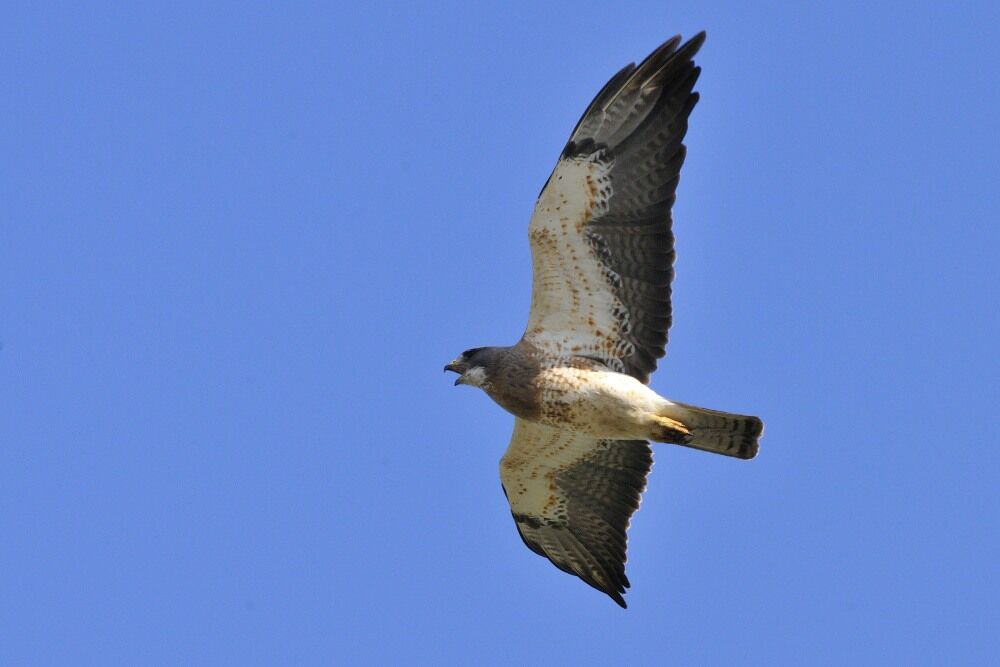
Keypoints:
(602, 252)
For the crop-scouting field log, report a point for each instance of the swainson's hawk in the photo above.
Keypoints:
(602, 252)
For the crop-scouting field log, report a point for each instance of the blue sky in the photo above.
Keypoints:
(238, 243)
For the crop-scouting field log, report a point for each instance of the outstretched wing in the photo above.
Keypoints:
(572, 496)
(602, 248)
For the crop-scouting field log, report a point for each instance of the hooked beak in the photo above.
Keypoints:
(456, 366)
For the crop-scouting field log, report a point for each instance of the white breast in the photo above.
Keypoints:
(601, 403)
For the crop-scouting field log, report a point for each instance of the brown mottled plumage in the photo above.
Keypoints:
(602, 253)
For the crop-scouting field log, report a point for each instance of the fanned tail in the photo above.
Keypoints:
(713, 430)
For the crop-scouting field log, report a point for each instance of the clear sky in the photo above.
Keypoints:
(238, 244)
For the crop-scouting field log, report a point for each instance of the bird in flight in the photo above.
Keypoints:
(602, 254)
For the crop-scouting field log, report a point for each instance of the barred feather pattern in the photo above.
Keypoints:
(601, 233)
(572, 497)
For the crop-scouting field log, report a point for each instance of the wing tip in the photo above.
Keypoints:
(693, 45)
(619, 600)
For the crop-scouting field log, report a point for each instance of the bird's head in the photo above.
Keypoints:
(473, 366)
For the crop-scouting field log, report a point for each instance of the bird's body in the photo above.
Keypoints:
(577, 381)
(600, 402)
(574, 392)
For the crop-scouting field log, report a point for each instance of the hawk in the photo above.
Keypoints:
(602, 254)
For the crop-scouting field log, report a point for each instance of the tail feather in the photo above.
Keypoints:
(715, 431)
